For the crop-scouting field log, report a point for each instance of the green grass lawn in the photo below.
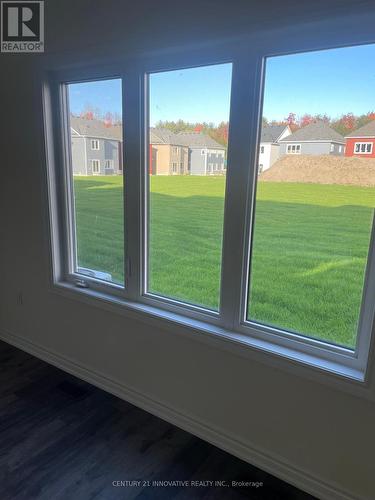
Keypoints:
(309, 252)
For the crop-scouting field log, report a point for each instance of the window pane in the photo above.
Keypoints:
(314, 210)
(95, 113)
(189, 119)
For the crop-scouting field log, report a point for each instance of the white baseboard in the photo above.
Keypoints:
(274, 465)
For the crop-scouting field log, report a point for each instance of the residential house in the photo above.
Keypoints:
(206, 156)
(96, 147)
(361, 142)
(317, 138)
(167, 155)
(269, 148)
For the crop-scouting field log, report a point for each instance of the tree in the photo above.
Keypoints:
(292, 121)
(345, 124)
(108, 119)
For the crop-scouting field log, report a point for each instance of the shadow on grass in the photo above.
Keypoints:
(308, 261)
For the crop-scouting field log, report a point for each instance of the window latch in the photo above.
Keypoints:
(81, 283)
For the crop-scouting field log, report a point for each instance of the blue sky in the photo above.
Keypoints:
(333, 82)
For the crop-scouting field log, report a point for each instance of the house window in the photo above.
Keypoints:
(291, 271)
(262, 149)
(108, 164)
(294, 149)
(95, 145)
(340, 149)
(332, 149)
(95, 165)
(175, 150)
(363, 148)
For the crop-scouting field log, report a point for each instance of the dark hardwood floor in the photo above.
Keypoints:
(61, 438)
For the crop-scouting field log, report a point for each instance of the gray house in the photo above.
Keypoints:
(206, 156)
(317, 138)
(96, 147)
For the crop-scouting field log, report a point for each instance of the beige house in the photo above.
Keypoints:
(167, 157)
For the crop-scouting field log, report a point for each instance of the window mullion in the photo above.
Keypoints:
(246, 84)
(132, 174)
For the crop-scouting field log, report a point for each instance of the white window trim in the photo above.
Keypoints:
(344, 369)
(297, 150)
(96, 161)
(95, 144)
(109, 163)
(363, 152)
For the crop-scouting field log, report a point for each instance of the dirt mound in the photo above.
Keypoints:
(323, 169)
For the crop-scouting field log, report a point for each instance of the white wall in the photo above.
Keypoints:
(313, 434)
(271, 153)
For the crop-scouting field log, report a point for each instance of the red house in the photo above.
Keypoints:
(361, 142)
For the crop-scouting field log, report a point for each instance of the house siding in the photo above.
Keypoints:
(350, 143)
(108, 150)
(197, 162)
(314, 148)
(210, 163)
(215, 161)
(271, 153)
(78, 156)
(163, 157)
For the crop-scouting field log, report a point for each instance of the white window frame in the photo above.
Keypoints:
(108, 164)
(95, 161)
(363, 143)
(293, 149)
(95, 144)
(227, 328)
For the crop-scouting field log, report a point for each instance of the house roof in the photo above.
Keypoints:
(198, 140)
(95, 128)
(162, 136)
(271, 133)
(188, 139)
(367, 130)
(316, 131)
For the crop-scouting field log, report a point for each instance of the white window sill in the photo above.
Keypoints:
(301, 364)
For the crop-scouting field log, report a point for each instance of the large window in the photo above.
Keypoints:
(97, 231)
(185, 217)
(273, 253)
(313, 216)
